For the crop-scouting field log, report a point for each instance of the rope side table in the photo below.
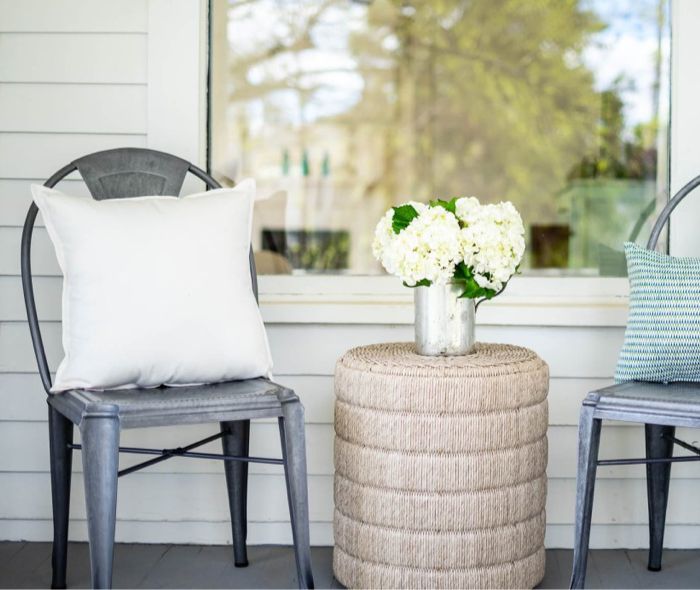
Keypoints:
(440, 468)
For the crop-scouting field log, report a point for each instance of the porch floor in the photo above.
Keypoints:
(28, 565)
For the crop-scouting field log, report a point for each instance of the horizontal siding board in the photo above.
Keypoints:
(47, 294)
(22, 397)
(108, 16)
(16, 196)
(566, 395)
(155, 496)
(61, 108)
(622, 501)
(205, 509)
(43, 254)
(603, 536)
(313, 350)
(186, 532)
(621, 536)
(39, 155)
(61, 58)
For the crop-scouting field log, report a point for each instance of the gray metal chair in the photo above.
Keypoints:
(660, 407)
(100, 415)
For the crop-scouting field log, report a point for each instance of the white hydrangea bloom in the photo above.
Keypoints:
(489, 239)
(467, 208)
(383, 235)
(493, 244)
(428, 249)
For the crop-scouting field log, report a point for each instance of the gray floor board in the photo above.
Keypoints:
(188, 566)
(682, 566)
(134, 563)
(25, 569)
(8, 550)
(609, 568)
(28, 565)
(557, 569)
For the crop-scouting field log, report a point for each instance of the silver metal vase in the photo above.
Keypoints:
(444, 322)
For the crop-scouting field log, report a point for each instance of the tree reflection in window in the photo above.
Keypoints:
(341, 109)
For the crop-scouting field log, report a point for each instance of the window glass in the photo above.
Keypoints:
(341, 109)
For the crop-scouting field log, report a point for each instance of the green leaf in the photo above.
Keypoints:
(462, 272)
(488, 293)
(450, 205)
(421, 283)
(403, 215)
(472, 290)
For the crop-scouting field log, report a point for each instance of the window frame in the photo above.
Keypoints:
(176, 26)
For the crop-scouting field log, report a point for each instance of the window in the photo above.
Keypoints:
(341, 109)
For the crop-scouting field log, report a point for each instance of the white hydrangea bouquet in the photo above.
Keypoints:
(479, 247)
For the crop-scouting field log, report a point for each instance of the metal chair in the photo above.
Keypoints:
(100, 415)
(660, 407)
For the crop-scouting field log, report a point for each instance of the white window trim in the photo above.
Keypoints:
(177, 104)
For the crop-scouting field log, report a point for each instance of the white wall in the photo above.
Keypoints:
(82, 75)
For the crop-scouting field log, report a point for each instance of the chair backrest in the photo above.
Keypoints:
(666, 211)
(110, 174)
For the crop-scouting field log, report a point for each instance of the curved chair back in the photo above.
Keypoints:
(667, 210)
(110, 174)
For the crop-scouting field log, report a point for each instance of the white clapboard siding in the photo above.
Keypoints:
(200, 502)
(606, 536)
(43, 256)
(15, 198)
(197, 532)
(39, 155)
(314, 349)
(60, 58)
(73, 108)
(70, 16)
(203, 497)
(622, 536)
(623, 501)
(47, 295)
(190, 497)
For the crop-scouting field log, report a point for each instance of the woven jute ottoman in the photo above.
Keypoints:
(440, 468)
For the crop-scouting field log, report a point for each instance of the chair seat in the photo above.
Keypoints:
(162, 406)
(673, 404)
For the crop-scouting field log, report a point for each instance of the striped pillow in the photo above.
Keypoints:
(662, 340)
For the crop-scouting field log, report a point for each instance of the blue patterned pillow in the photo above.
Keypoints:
(662, 340)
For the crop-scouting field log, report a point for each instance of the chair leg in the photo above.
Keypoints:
(236, 441)
(588, 443)
(294, 455)
(60, 436)
(100, 451)
(658, 446)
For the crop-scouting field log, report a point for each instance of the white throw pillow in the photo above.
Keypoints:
(156, 290)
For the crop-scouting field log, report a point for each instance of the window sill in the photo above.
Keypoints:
(528, 301)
